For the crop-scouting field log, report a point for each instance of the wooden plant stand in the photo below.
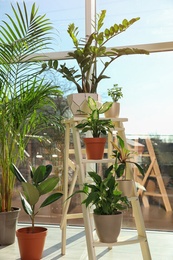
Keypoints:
(79, 172)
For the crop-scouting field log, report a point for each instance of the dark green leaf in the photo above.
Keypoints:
(52, 198)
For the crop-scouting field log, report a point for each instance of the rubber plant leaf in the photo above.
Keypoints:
(48, 185)
(51, 199)
(17, 173)
(41, 173)
(26, 206)
(31, 193)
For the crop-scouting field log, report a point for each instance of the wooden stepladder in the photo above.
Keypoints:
(154, 172)
(79, 168)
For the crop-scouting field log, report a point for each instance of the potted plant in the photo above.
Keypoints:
(23, 95)
(115, 93)
(31, 239)
(107, 202)
(123, 158)
(97, 126)
(88, 52)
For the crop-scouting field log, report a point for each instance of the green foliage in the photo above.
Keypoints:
(115, 93)
(104, 195)
(91, 49)
(93, 122)
(122, 157)
(24, 97)
(41, 183)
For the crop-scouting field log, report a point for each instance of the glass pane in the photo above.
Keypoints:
(146, 83)
(147, 89)
(155, 24)
(60, 13)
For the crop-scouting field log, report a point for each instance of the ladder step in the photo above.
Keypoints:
(153, 194)
(132, 240)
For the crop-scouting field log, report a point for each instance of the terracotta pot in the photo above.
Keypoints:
(113, 111)
(95, 147)
(127, 187)
(78, 101)
(8, 222)
(31, 244)
(108, 227)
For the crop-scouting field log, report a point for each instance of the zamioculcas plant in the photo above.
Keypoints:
(90, 50)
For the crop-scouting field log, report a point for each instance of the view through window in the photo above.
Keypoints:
(146, 81)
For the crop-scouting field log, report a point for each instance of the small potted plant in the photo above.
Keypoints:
(31, 239)
(115, 93)
(123, 158)
(108, 202)
(87, 53)
(97, 126)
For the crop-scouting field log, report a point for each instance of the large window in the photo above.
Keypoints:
(146, 81)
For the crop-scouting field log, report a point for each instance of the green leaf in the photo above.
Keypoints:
(100, 38)
(55, 64)
(105, 107)
(92, 197)
(95, 115)
(17, 173)
(125, 23)
(141, 170)
(95, 177)
(48, 185)
(107, 33)
(51, 199)
(50, 63)
(31, 193)
(92, 103)
(116, 27)
(112, 30)
(101, 18)
(120, 170)
(41, 173)
(133, 20)
(26, 206)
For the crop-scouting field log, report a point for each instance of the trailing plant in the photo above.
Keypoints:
(41, 183)
(93, 122)
(90, 50)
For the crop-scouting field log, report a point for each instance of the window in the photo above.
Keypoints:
(146, 80)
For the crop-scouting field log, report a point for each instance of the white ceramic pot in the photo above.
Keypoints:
(78, 101)
(113, 111)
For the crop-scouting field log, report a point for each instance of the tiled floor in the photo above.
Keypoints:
(160, 243)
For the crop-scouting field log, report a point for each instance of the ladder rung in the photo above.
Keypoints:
(132, 240)
(153, 194)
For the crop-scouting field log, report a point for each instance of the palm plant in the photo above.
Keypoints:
(22, 94)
